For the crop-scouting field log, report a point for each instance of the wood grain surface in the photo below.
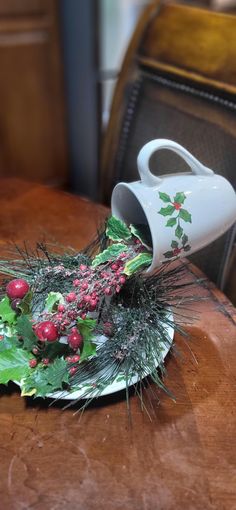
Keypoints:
(183, 459)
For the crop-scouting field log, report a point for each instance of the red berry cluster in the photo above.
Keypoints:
(89, 287)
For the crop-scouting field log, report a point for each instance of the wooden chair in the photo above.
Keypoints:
(178, 81)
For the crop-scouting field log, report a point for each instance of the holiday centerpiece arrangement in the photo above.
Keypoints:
(80, 322)
(81, 325)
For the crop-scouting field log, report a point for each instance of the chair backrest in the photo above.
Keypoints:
(178, 81)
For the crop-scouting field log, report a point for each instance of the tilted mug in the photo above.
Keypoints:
(184, 212)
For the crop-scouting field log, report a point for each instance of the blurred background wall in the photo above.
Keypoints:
(59, 61)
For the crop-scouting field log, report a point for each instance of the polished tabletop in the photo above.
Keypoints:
(183, 458)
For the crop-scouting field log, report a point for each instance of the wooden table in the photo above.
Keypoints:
(183, 459)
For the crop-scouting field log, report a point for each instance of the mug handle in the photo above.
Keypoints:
(149, 148)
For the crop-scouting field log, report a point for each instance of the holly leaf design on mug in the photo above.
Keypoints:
(171, 222)
(164, 197)
(167, 211)
(185, 215)
(180, 197)
(177, 213)
(178, 231)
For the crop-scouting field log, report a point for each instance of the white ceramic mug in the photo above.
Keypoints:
(184, 212)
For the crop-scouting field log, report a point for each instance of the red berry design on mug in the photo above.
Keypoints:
(177, 206)
(176, 251)
(17, 289)
(46, 331)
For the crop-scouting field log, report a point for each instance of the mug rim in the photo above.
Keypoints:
(128, 186)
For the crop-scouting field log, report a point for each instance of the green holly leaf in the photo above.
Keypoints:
(25, 305)
(86, 328)
(185, 215)
(44, 380)
(8, 342)
(180, 197)
(142, 234)
(164, 197)
(178, 231)
(187, 247)
(89, 349)
(6, 313)
(14, 365)
(174, 244)
(110, 253)
(171, 222)
(57, 373)
(184, 239)
(166, 211)
(117, 230)
(25, 331)
(53, 299)
(134, 265)
(53, 350)
(36, 384)
(168, 254)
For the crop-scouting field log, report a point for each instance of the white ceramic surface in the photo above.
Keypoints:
(207, 211)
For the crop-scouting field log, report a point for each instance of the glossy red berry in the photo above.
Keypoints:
(72, 314)
(76, 282)
(107, 291)
(82, 267)
(83, 315)
(45, 361)
(58, 317)
(93, 305)
(73, 370)
(33, 363)
(122, 280)
(71, 297)
(35, 350)
(75, 358)
(47, 331)
(61, 308)
(84, 286)
(17, 288)
(75, 340)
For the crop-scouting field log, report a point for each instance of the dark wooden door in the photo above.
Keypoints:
(32, 124)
